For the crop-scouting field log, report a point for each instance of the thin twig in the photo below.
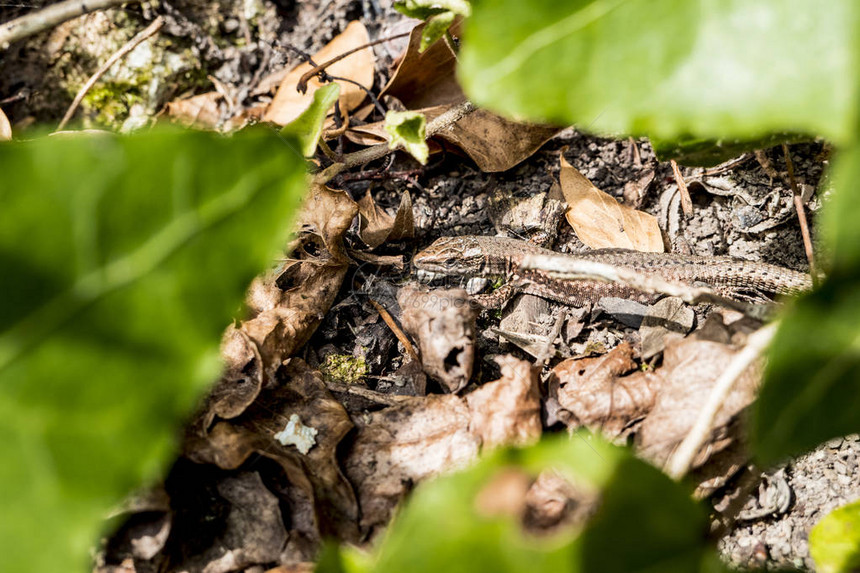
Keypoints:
(565, 267)
(51, 16)
(366, 393)
(801, 213)
(302, 86)
(154, 27)
(401, 336)
(686, 201)
(683, 457)
(726, 165)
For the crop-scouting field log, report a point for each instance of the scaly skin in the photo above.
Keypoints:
(499, 257)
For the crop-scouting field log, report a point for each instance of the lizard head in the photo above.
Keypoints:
(460, 256)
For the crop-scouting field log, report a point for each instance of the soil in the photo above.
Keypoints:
(745, 211)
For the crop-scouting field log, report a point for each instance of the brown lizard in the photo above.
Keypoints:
(500, 258)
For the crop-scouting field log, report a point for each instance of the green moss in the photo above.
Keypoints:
(594, 347)
(344, 368)
(111, 101)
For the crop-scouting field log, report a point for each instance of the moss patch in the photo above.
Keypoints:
(344, 369)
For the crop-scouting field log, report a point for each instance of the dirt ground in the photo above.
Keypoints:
(744, 211)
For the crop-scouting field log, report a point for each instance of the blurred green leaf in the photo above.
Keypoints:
(308, 126)
(703, 152)
(834, 542)
(438, 15)
(424, 9)
(123, 260)
(811, 390)
(408, 129)
(436, 27)
(716, 69)
(445, 526)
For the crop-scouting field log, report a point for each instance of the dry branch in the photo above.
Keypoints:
(51, 16)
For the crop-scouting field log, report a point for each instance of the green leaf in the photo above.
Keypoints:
(448, 524)
(424, 9)
(436, 27)
(811, 390)
(408, 129)
(834, 542)
(709, 152)
(706, 68)
(123, 260)
(308, 126)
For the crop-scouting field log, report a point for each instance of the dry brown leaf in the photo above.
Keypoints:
(321, 499)
(507, 411)
(377, 226)
(443, 324)
(280, 331)
(358, 67)
(425, 79)
(421, 438)
(600, 221)
(328, 213)
(594, 392)
(495, 143)
(690, 368)
(5, 127)
(288, 306)
(197, 111)
(241, 379)
(403, 445)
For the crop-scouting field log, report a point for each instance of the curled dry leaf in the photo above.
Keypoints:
(377, 226)
(5, 127)
(596, 393)
(425, 79)
(443, 323)
(322, 501)
(288, 307)
(507, 411)
(424, 437)
(241, 379)
(280, 331)
(328, 213)
(200, 111)
(690, 368)
(600, 221)
(358, 67)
